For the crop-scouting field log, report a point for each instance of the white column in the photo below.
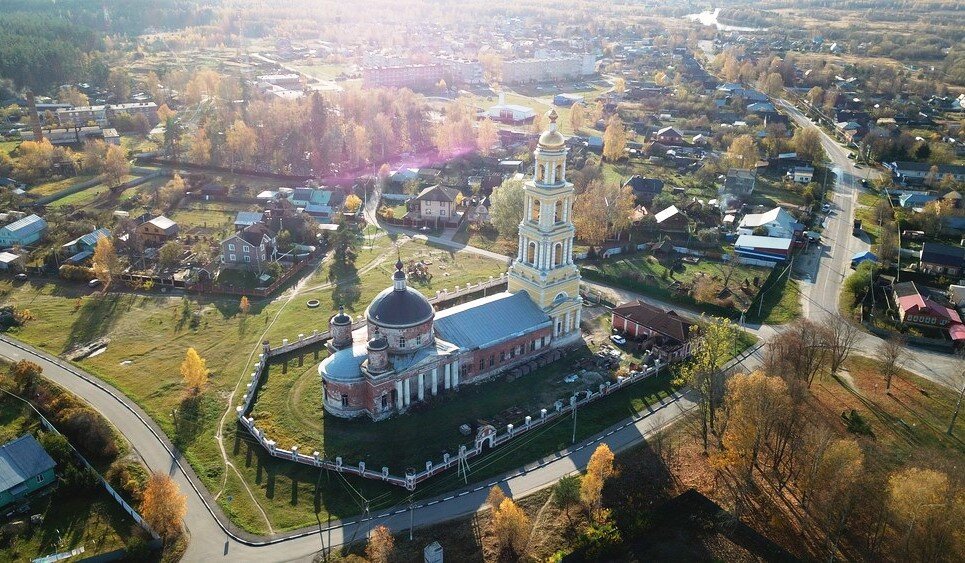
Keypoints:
(579, 312)
(435, 381)
(455, 374)
(399, 396)
(422, 387)
(407, 392)
(447, 380)
(519, 253)
(566, 322)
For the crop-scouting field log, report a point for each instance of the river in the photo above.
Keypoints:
(710, 18)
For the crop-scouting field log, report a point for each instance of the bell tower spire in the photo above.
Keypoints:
(544, 266)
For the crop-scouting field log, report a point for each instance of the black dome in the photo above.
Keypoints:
(399, 308)
(341, 318)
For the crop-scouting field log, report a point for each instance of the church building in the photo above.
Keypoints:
(407, 351)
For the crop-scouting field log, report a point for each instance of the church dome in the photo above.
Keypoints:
(341, 318)
(399, 306)
(552, 138)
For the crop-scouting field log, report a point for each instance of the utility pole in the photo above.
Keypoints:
(575, 404)
(410, 517)
(958, 406)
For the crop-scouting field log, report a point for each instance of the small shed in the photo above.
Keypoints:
(866, 256)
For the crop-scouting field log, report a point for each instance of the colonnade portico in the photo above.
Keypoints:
(403, 387)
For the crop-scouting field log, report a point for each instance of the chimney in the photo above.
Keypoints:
(34, 117)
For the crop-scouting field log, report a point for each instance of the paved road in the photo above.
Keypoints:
(210, 541)
(825, 267)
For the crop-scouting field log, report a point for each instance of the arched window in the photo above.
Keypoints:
(558, 211)
(559, 174)
(531, 253)
(540, 171)
(558, 254)
(536, 209)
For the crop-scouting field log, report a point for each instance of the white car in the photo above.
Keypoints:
(617, 339)
(826, 207)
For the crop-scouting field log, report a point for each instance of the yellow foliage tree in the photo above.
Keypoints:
(495, 497)
(487, 134)
(241, 141)
(380, 545)
(200, 150)
(743, 152)
(194, 371)
(163, 506)
(510, 527)
(116, 165)
(105, 261)
(244, 306)
(164, 113)
(352, 203)
(614, 139)
(577, 117)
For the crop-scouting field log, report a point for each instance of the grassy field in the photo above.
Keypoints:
(8, 147)
(48, 188)
(92, 520)
(636, 266)
(320, 70)
(84, 197)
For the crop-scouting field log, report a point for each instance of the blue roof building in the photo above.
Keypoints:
(866, 256)
(24, 231)
(24, 468)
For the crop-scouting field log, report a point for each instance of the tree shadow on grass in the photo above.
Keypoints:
(189, 421)
(93, 319)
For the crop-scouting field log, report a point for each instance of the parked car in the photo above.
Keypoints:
(826, 207)
(20, 277)
(617, 339)
(94, 283)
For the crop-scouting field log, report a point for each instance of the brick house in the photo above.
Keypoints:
(249, 249)
(921, 306)
(157, 231)
(653, 327)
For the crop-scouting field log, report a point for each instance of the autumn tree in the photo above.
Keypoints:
(839, 335)
(832, 485)
(35, 159)
(487, 135)
(495, 497)
(241, 142)
(194, 372)
(106, 264)
(244, 305)
(619, 85)
(510, 527)
(816, 96)
(71, 95)
(506, 207)
(774, 84)
(93, 156)
(889, 354)
(598, 470)
(614, 139)
(353, 203)
(165, 113)
(163, 507)
(743, 152)
(807, 144)
(172, 192)
(797, 354)
(710, 351)
(380, 545)
(577, 117)
(25, 374)
(116, 165)
(602, 211)
(928, 511)
(757, 405)
(200, 149)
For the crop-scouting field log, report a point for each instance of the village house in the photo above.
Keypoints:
(668, 136)
(644, 189)
(777, 223)
(667, 331)
(435, 203)
(83, 247)
(802, 174)
(24, 468)
(672, 220)
(249, 249)
(245, 219)
(22, 232)
(740, 182)
(10, 261)
(157, 231)
(921, 306)
(937, 259)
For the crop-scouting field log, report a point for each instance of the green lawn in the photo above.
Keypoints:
(486, 238)
(321, 70)
(8, 147)
(84, 197)
(49, 188)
